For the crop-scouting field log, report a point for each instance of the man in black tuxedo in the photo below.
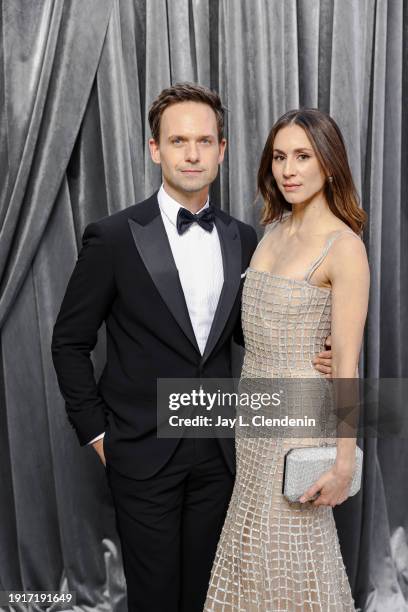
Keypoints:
(166, 276)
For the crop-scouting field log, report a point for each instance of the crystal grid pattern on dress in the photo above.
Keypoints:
(274, 555)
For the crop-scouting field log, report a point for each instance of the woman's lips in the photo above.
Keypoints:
(291, 187)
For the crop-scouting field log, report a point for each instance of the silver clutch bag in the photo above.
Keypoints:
(303, 466)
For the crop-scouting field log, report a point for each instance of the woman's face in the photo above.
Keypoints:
(295, 167)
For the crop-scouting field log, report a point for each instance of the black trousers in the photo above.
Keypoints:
(169, 526)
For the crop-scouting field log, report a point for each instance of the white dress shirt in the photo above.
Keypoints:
(198, 259)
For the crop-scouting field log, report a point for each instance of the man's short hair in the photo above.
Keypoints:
(185, 92)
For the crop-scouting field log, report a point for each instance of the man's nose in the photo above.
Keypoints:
(192, 152)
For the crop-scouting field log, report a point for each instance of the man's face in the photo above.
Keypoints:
(189, 151)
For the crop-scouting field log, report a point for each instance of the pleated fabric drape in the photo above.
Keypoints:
(76, 82)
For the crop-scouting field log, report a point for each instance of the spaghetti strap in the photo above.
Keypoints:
(326, 249)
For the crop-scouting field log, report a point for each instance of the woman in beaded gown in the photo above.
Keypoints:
(308, 278)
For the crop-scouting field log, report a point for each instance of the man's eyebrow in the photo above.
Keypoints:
(210, 136)
(295, 150)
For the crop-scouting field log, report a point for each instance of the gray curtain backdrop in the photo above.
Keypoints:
(76, 81)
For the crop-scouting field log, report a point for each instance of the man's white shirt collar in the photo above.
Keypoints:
(170, 207)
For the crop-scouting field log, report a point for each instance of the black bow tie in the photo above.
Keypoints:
(185, 218)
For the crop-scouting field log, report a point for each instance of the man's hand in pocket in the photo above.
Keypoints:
(98, 446)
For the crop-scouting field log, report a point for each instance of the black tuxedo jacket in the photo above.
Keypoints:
(126, 276)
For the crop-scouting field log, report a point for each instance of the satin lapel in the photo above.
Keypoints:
(231, 259)
(154, 249)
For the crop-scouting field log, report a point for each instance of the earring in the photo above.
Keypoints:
(330, 179)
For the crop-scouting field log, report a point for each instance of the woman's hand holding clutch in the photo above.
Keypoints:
(332, 488)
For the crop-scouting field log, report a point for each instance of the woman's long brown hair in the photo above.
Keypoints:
(328, 144)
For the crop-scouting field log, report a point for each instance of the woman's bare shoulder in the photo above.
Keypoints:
(273, 228)
(348, 254)
(339, 233)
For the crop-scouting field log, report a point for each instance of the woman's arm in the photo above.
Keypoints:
(350, 278)
(349, 274)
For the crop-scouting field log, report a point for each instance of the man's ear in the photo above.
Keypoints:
(154, 151)
(222, 147)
